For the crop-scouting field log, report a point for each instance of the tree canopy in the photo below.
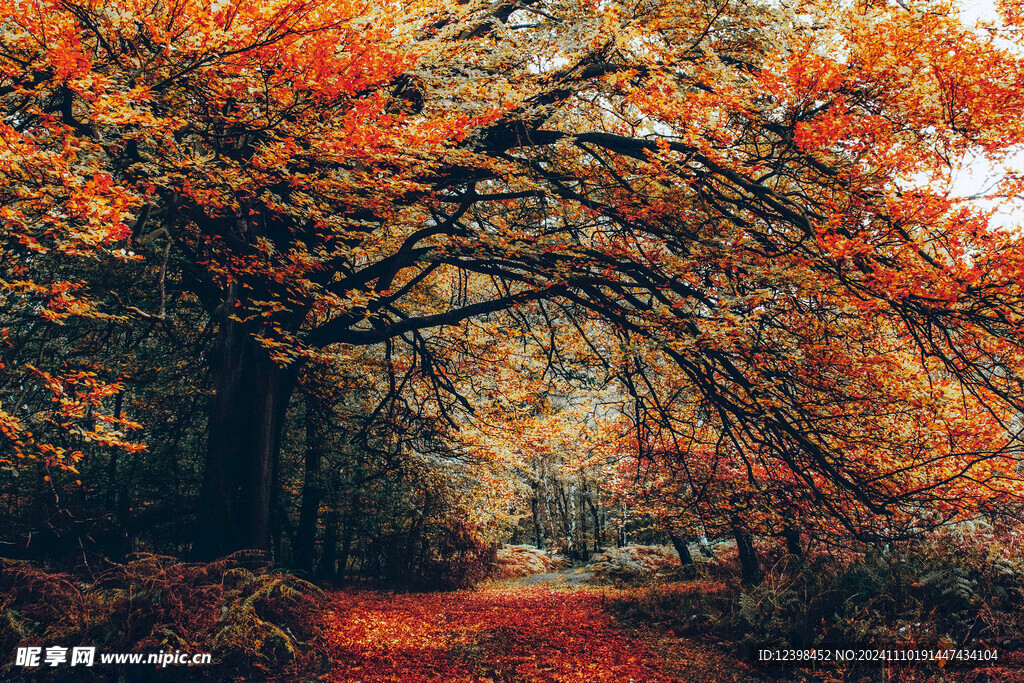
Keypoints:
(737, 217)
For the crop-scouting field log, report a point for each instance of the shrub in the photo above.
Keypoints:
(455, 558)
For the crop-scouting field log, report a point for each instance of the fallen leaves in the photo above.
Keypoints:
(509, 633)
(499, 633)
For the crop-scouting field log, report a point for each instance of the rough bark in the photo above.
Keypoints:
(598, 541)
(682, 547)
(309, 511)
(792, 537)
(247, 410)
(329, 568)
(750, 569)
(538, 535)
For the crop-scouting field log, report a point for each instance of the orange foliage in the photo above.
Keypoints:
(757, 196)
(520, 560)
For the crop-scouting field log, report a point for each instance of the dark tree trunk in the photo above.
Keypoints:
(682, 547)
(538, 535)
(327, 568)
(564, 512)
(598, 541)
(247, 413)
(620, 537)
(346, 553)
(581, 501)
(284, 530)
(792, 537)
(334, 521)
(120, 544)
(750, 569)
(309, 512)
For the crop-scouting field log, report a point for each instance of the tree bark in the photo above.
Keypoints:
(247, 411)
(329, 568)
(792, 537)
(750, 569)
(682, 547)
(538, 535)
(309, 512)
(598, 541)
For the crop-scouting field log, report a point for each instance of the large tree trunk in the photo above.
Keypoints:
(247, 413)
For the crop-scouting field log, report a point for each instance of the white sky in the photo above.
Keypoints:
(972, 10)
(976, 177)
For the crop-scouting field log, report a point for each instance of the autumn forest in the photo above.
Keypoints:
(510, 340)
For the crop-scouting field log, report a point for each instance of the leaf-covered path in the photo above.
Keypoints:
(507, 633)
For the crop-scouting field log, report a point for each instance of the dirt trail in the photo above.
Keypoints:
(536, 632)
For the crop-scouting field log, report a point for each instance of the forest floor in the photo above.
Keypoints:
(541, 628)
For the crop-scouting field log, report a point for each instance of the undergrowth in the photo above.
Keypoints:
(946, 592)
(256, 622)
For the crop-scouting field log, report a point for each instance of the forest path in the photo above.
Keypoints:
(557, 578)
(508, 633)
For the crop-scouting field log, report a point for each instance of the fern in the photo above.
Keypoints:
(251, 619)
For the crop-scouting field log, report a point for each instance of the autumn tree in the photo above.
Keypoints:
(756, 195)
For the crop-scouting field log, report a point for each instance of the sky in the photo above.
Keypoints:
(978, 9)
(976, 177)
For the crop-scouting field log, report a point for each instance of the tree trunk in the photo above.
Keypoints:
(682, 547)
(334, 520)
(538, 535)
(328, 568)
(247, 413)
(309, 512)
(621, 539)
(792, 537)
(552, 530)
(346, 553)
(750, 570)
(564, 516)
(597, 522)
(581, 502)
